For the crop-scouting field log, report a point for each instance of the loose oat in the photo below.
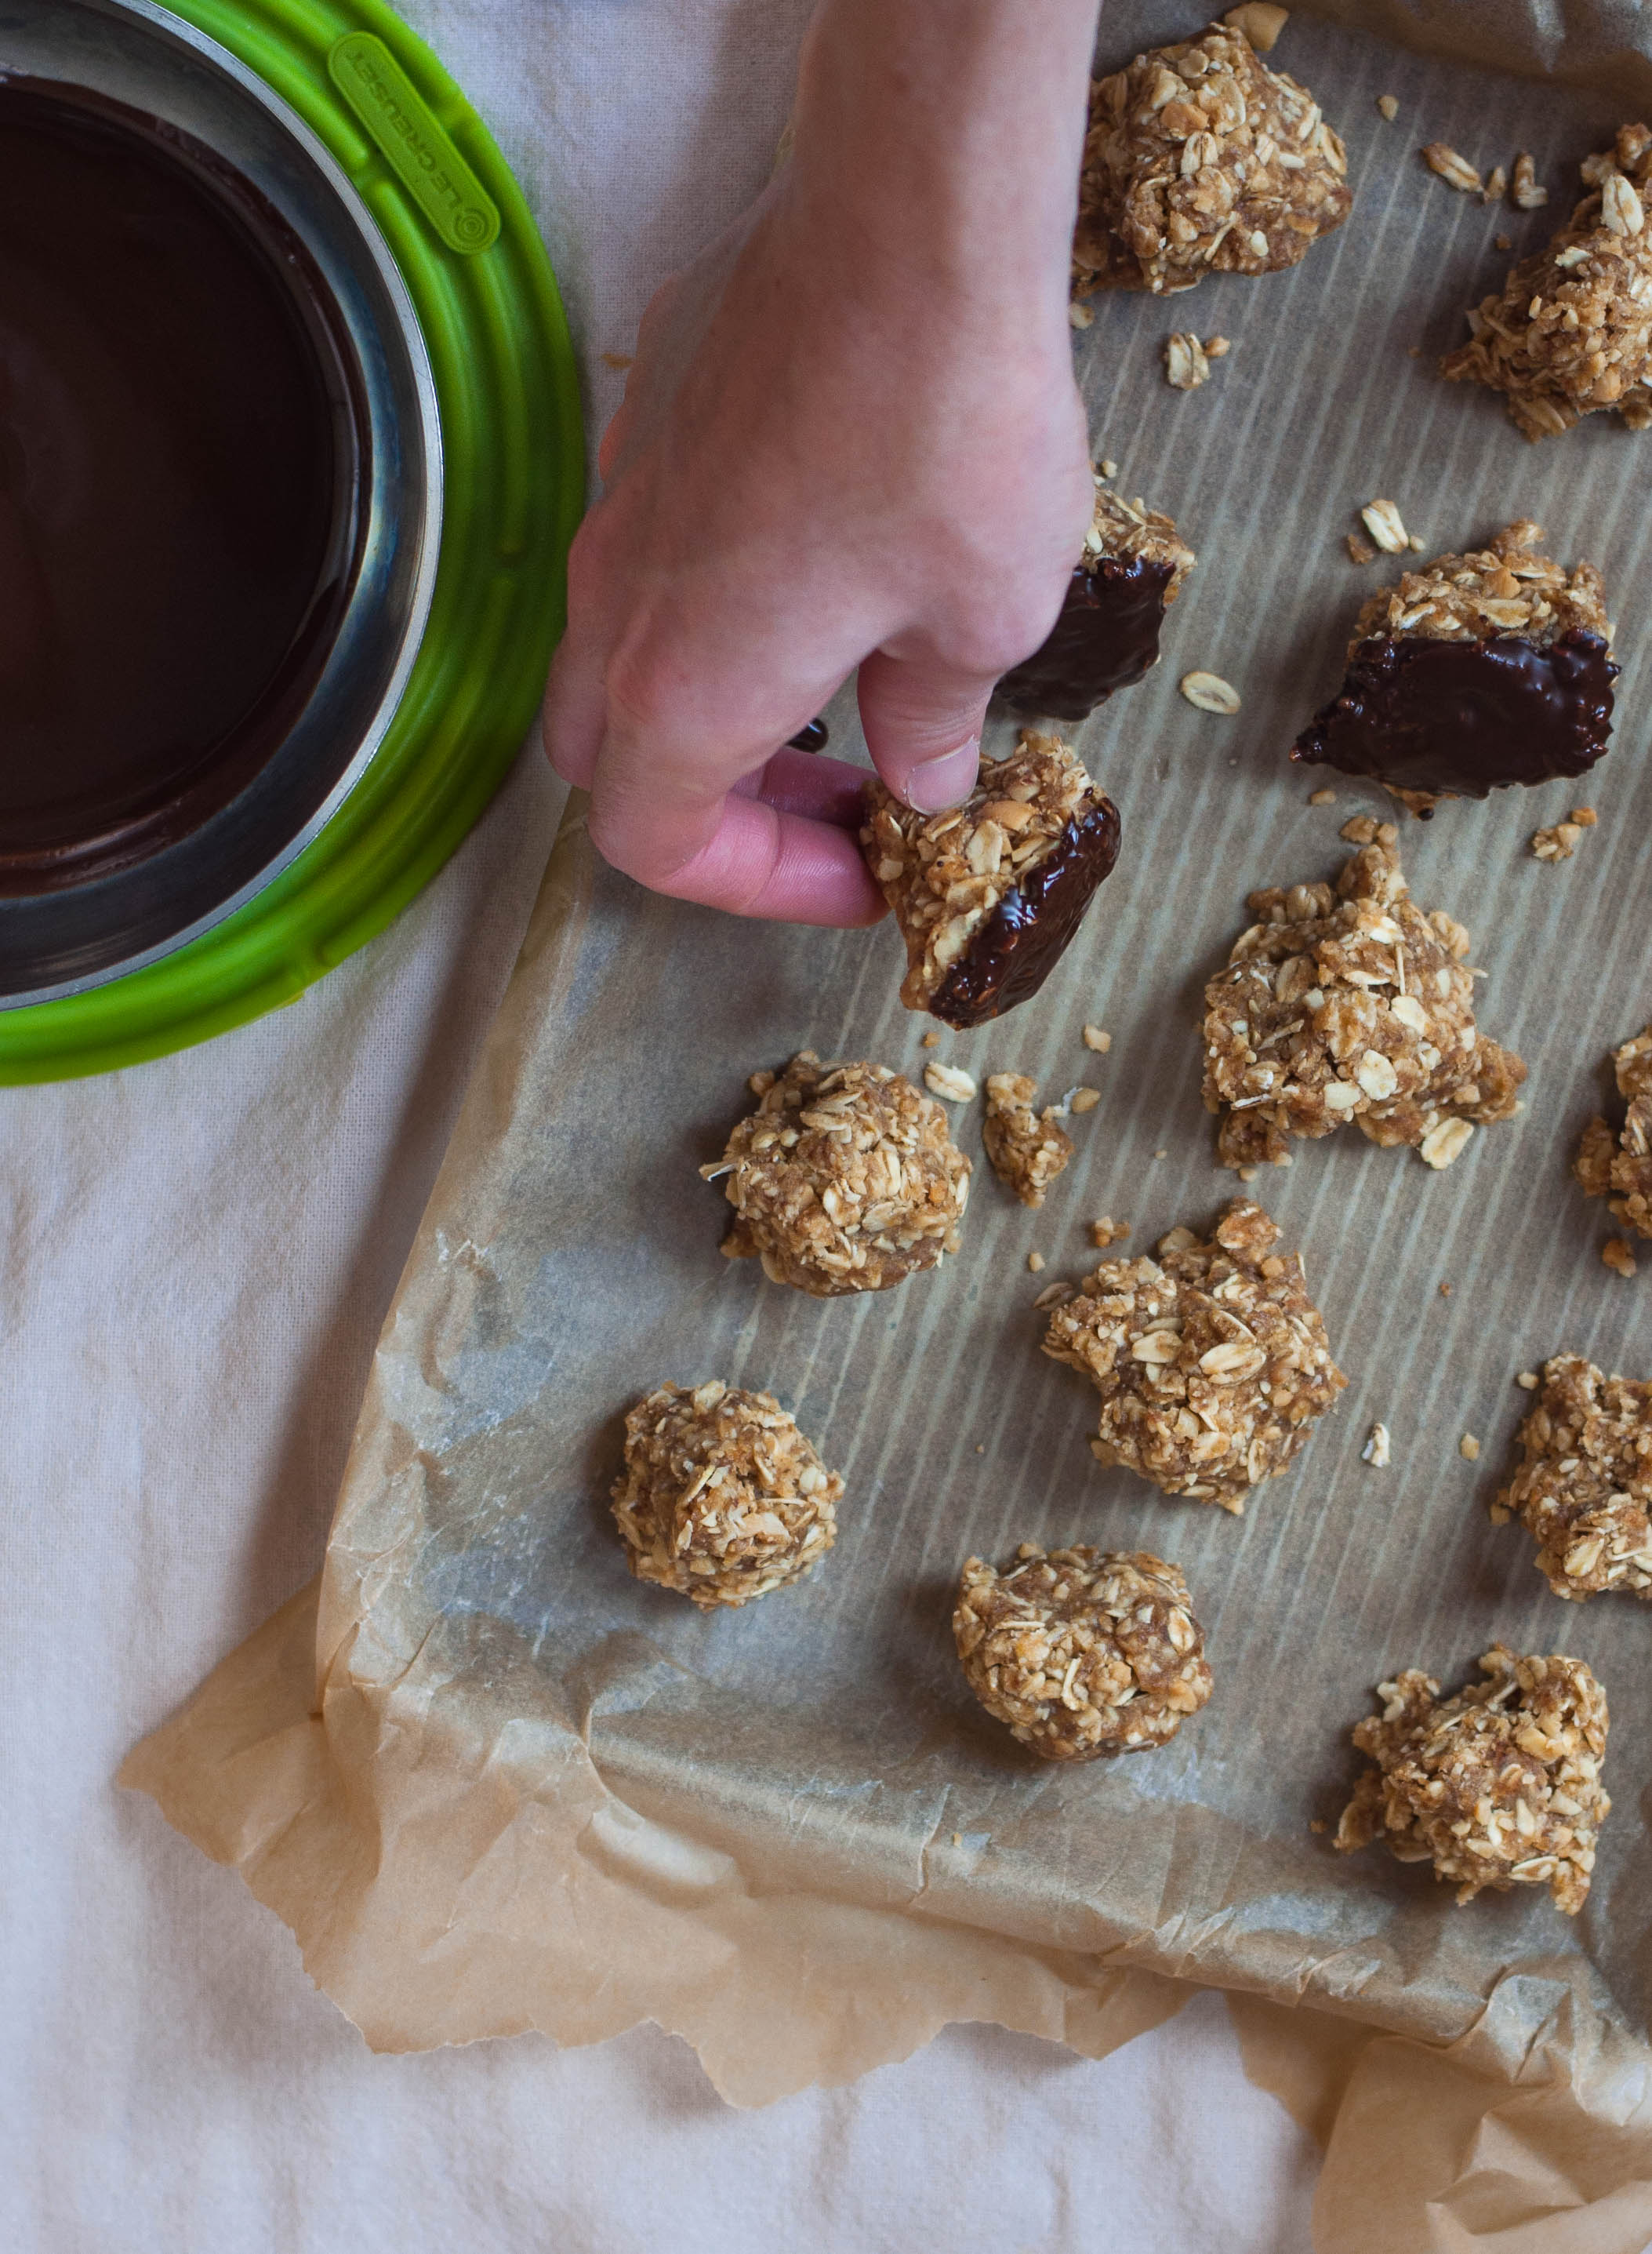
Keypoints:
(1468, 1448)
(1388, 107)
(721, 1498)
(1359, 548)
(843, 1179)
(1035, 1262)
(1084, 1099)
(1199, 159)
(1211, 1360)
(1496, 186)
(1260, 22)
(1210, 693)
(1108, 1231)
(1582, 1487)
(1616, 1162)
(1350, 1004)
(1097, 1040)
(1375, 1450)
(1026, 1150)
(948, 1081)
(958, 881)
(1186, 366)
(1618, 1256)
(1455, 170)
(1321, 798)
(1382, 522)
(1497, 1786)
(1080, 1652)
(1570, 332)
(1527, 1381)
(1555, 844)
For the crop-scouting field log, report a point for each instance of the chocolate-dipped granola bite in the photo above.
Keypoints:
(1479, 670)
(989, 894)
(1107, 635)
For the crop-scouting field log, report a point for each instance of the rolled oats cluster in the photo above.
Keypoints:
(1211, 1360)
(1583, 1488)
(722, 1498)
(1571, 330)
(1027, 1149)
(1477, 671)
(988, 895)
(1497, 1786)
(1080, 1652)
(844, 1178)
(1617, 1164)
(1350, 1004)
(1199, 159)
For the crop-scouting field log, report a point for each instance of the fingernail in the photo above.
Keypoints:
(934, 784)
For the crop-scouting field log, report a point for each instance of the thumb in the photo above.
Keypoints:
(922, 720)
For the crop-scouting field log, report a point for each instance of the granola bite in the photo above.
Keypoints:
(1131, 569)
(1199, 160)
(1616, 1164)
(1583, 1488)
(1479, 670)
(1028, 1149)
(1211, 1360)
(1571, 330)
(1497, 1786)
(1080, 1652)
(1351, 1004)
(844, 1178)
(721, 1498)
(989, 894)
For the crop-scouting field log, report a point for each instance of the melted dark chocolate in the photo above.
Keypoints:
(1465, 718)
(812, 738)
(182, 483)
(1106, 637)
(1033, 926)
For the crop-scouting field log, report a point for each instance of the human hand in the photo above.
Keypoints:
(851, 436)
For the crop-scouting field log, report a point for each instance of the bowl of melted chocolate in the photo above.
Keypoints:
(219, 489)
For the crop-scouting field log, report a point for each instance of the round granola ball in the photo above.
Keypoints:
(844, 1178)
(1082, 1652)
(722, 1498)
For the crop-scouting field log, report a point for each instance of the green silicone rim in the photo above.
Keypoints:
(515, 476)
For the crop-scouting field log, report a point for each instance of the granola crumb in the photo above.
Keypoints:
(1529, 193)
(956, 880)
(844, 1178)
(1056, 1295)
(1081, 316)
(1582, 1487)
(1503, 241)
(1096, 1038)
(1082, 1652)
(1615, 1163)
(1359, 548)
(1375, 1450)
(1199, 159)
(1317, 1823)
(1569, 332)
(1557, 842)
(1186, 363)
(1109, 468)
(1035, 1262)
(1498, 1785)
(1321, 798)
(1260, 22)
(1210, 692)
(1455, 170)
(1468, 1448)
(1218, 347)
(1211, 1360)
(1388, 106)
(1084, 1099)
(1350, 1003)
(1249, 1173)
(1496, 186)
(930, 1040)
(1381, 520)
(1527, 1380)
(1444, 1290)
(1417, 545)
(1585, 816)
(721, 1498)
(1108, 1231)
(1028, 1149)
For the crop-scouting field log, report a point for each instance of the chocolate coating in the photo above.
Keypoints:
(1033, 926)
(1106, 637)
(182, 483)
(1463, 719)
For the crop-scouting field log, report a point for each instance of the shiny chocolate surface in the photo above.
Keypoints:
(1106, 637)
(1033, 926)
(1462, 718)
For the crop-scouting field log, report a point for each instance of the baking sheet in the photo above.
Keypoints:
(529, 1791)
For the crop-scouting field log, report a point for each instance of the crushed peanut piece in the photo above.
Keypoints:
(843, 1179)
(1080, 1652)
(1365, 829)
(1026, 1152)
(1359, 548)
(1618, 1256)
(1084, 1099)
(954, 879)
(721, 1498)
(1035, 1262)
(1585, 816)
(1582, 1487)
(1555, 844)
(1260, 22)
(1109, 468)
(1218, 347)
(1199, 159)
(1211, 1360)
(1528, 1381)
(1497, 1786)
(1528, 191)
(1081, 316)
(1570, 332)
(1321, 798)
(1097, 1040)
(1507, 587)
(1210, 692)
(930, 1040)
(1468, 1448)
(1350, 1003)
(1381, 520)
(1108, 1231)
(1185, 365)
(1389, 106)
(1455, 170)
(1616, 1164)
(948, 1080)
(1375, 1450)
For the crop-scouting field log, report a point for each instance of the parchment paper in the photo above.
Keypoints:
(492, 1783)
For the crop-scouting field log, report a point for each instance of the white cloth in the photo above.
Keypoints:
(194, 1260)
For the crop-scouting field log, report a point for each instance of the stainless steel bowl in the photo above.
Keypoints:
(65, 942)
